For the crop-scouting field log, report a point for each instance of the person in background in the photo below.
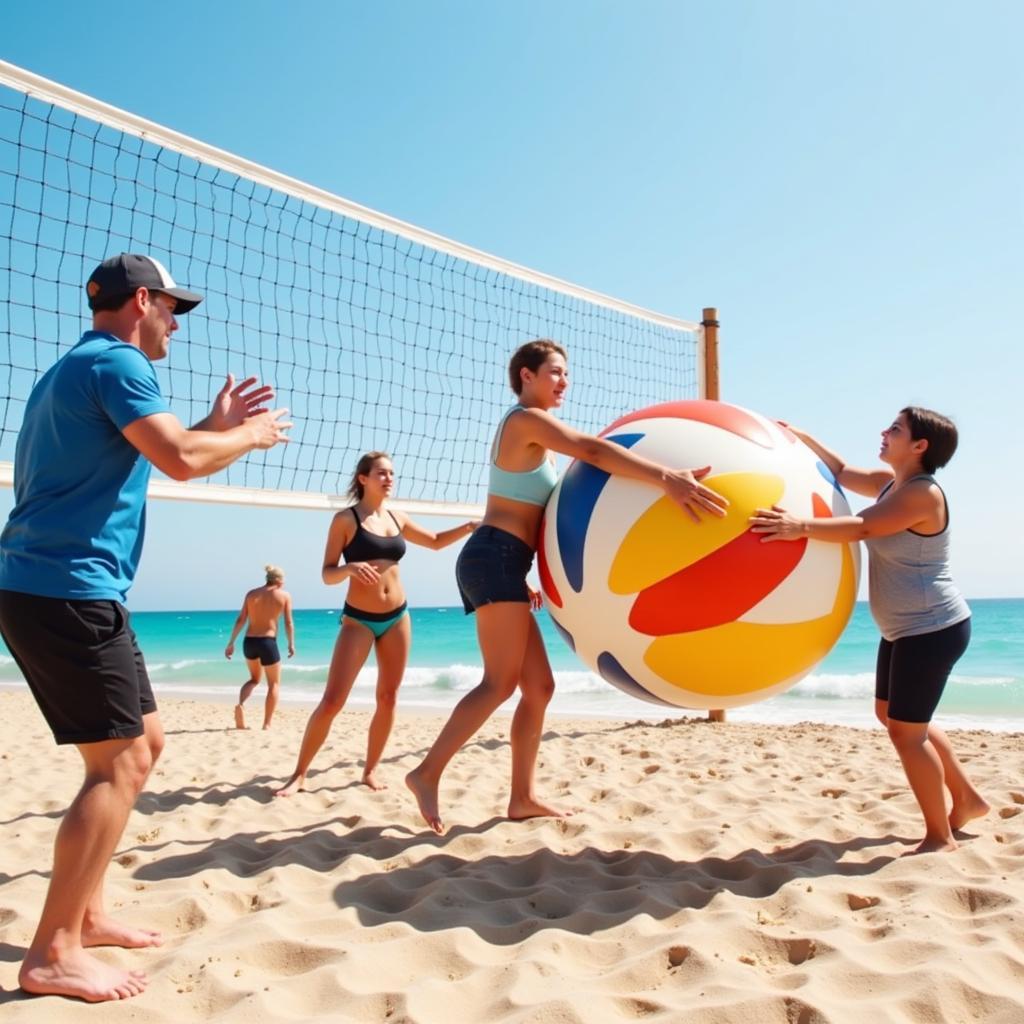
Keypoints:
(262, 607)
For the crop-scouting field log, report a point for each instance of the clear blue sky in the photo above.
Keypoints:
(843, 181)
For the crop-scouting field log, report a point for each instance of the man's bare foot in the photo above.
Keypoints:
(928, 845)
(426, 798)
(370, 779)
(105, 931)
(967, 810)
(80, 976)
(239, 717)
(520, 810)
(296, 784)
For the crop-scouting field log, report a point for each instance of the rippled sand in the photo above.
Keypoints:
(712, 874)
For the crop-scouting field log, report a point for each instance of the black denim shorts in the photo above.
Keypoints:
(492, 567)
(82, 663)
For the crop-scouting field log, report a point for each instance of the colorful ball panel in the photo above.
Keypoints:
(697, 615)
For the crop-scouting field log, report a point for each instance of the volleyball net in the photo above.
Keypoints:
(374, 333)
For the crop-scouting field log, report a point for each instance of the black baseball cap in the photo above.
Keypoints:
(120, 276)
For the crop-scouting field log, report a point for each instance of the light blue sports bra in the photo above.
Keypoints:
(533, 487)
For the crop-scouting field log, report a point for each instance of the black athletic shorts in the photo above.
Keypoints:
(911, 672)
(262, 647)
(82, 663)
(492, 567)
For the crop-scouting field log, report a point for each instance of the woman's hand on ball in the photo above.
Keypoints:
(777, 524)
(683, 486)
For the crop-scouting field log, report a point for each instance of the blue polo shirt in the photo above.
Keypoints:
(79, 517)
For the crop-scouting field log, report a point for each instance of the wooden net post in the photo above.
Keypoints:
(710, 325)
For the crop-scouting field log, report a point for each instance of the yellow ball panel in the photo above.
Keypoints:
(664, 539)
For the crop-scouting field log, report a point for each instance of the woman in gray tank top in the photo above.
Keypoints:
(924, 620)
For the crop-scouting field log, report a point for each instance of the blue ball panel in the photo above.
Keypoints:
(611, 671)
(829, 476)
(581, 487)
(565, 634)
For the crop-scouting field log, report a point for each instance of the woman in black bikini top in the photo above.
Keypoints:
(371, 540)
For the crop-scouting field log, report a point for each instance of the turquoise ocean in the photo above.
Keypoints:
(185, 655)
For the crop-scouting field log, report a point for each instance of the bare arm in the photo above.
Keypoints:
(435, 541)
(868, 482)
(906, 509)
(682, 485)
(289, 625)
(341, 531)
(186, 454)
(243, 615)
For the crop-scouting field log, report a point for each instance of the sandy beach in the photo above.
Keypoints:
(714, 874)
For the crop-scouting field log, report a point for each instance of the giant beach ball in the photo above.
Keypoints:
(697, 615)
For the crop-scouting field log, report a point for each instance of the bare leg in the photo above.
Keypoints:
(392, 656)
(968, 803)
(255, 671)
(98, 928)
(502, 629)
(537, 686)
(273, 693)
(56, 963)
(925, 774)
(350, 652)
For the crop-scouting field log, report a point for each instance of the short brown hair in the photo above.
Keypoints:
(938, 430)
(531, 356)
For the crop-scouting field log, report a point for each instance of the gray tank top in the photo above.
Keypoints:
(910, 587)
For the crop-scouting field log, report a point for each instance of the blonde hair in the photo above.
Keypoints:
(275, 574)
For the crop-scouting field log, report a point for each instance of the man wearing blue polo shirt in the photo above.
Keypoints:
(94, 424)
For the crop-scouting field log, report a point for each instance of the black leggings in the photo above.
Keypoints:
(911, 672)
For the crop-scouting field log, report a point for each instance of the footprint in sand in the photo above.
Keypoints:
(855, 902)
(677, 955)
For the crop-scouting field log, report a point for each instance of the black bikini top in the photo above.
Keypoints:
(371, 547)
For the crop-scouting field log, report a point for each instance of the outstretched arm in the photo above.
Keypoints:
(868, 482)
(905, 509)
(682, 485)
(186, 454)
(435, 541)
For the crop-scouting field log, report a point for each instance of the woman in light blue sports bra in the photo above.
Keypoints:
(493, 565)
(924, 621)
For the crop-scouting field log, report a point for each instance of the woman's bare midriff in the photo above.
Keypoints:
(519, 518)
(383, 596)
